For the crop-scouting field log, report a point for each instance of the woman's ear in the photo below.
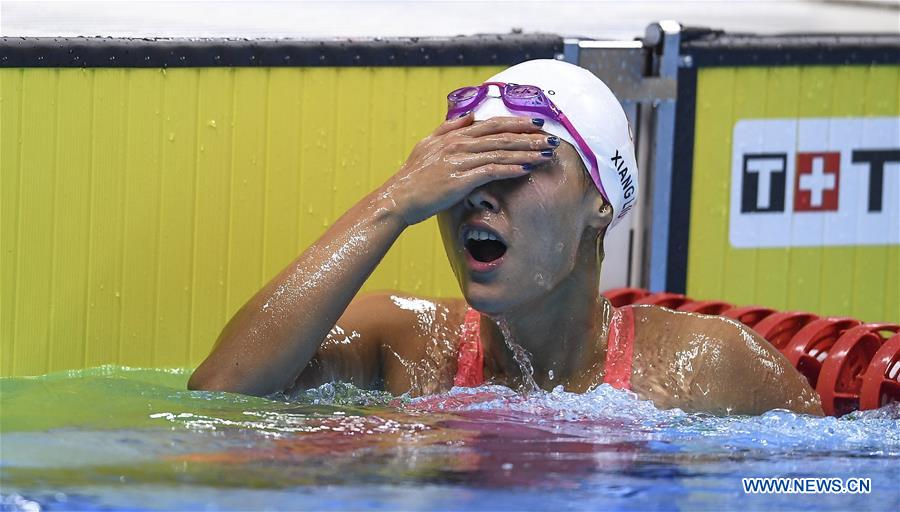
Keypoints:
(600, 214)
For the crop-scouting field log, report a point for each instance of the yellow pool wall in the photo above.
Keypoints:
(141, 207)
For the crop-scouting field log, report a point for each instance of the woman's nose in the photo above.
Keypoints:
(482, 199)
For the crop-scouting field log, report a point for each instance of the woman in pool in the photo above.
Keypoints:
(525, 182)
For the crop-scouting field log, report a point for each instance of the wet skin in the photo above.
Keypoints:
(308, 326)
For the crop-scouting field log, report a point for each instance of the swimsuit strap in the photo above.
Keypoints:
(620, 348)
(470, 364)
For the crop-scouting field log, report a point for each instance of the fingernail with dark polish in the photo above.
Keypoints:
(537, 122)
(547, 152)
(527, 167)
(553, 140)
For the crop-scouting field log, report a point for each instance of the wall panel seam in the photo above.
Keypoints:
(123, 212)
(19, 217)
(161, 162)
(54, 182)
(264, 160)
(90, 230)
(194, 230)
(231, 147)
(301, 196)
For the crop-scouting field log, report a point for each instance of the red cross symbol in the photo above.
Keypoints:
(817, 182)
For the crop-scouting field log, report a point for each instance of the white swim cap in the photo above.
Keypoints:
(592, 109)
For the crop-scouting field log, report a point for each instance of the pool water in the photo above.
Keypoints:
(114, 438)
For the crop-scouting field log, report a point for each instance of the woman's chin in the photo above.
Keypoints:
(488, 299)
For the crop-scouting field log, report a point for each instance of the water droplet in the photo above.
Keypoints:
(211, 123)
(550, 374)
(171, 136)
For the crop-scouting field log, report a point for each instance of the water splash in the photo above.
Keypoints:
(873, 433)
(521, 356)
(338, 394)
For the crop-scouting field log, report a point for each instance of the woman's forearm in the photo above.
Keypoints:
(274, 335)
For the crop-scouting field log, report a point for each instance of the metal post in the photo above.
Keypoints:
(646, 86)
(667, 33)
(571, 51)
(621, 65)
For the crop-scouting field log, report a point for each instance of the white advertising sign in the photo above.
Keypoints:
(815, 182)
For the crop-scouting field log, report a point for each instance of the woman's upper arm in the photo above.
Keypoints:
(351, 352)
(761, 378)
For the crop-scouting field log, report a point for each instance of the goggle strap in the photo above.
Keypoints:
(594, 170)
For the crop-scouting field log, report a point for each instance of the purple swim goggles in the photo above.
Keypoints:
(523, 98)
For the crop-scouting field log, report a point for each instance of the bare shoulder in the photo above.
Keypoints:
(400, 314)
(382, 338)
(714, 364)
(419, 340)
(391, 311)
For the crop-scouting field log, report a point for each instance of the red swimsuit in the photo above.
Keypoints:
(619, 350)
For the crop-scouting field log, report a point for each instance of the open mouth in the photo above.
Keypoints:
(484, 246)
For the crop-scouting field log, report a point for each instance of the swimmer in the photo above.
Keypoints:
(526, 176)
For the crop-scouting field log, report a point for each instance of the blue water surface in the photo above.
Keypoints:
(116, 438)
